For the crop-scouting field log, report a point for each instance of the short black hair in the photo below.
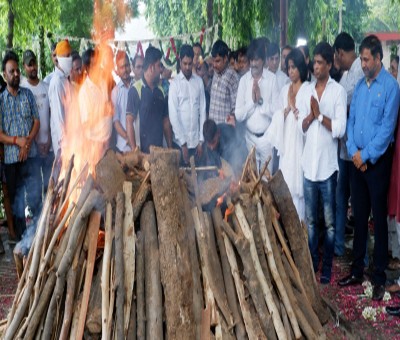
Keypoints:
(121, 55)
(199, 46)
(242, 51)
(75, 55)
(287, 47)
(325, 51)
(87, 57)
(151, 57)
(220, 48)
(233, 54)
(209, 130)
(372, 43)
(306, 50)
(256, 50)
(297, 57)
(137, 56)
(186, 51)
(265, 41)
(345, 42)
(272, 49)
(10, 55)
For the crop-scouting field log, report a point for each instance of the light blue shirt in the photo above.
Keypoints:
(373, 117)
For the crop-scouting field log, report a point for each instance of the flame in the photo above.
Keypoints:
(229, 211)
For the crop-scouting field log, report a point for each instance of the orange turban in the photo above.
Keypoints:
(63, 48)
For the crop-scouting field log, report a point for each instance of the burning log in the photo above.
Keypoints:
(140, 297)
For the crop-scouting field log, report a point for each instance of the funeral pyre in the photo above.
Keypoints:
(130, 252)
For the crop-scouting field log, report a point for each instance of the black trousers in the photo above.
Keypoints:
(23, 181)
(369, 189)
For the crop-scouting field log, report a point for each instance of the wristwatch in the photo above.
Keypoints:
(260, 101)
(320, 118)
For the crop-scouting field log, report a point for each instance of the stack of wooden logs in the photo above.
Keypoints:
(137, 257)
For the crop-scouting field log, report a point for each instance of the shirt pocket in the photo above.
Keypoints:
(377, 109)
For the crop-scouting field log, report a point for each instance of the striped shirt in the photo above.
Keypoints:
(17, 116)
(223, 95)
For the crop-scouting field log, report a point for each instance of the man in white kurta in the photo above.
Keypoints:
(256, 102)
(187, 107)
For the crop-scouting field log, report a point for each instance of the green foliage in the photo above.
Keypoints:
(384, 16)
(76, 25)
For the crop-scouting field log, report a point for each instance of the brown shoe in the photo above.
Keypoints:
(393, 288)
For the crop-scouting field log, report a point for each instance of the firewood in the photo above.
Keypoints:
(93, 317)
(132, 322)
(33, 269)
(194, 260)
(175, 269)
(211, 267)
(67, 178)
(275, 274)
(140, 197)
(75, 318)
(250, 167)
(298, 244)
(286, 322)
(18, 264)
(71, 292)
(153, 289)
(257, 323)
(105, 273)
(228, 279)
(205, 323)
(110, 317)
(119, 265)
(305, 322)
(129, 239)
(245, 308)
(94, 201)
(140, 299)
(280, 331)
(242, 245)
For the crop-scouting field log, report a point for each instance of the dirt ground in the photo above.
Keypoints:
(346, 304)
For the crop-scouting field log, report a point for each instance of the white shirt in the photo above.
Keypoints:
(60, 92)
(349, 81)
(41, 94)
(187, 109)
(258, 116)
(119, 97)
(47, 79)
(319, 159)
(95, 118)
(282, 79)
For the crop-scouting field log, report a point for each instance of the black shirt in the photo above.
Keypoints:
(151, 107)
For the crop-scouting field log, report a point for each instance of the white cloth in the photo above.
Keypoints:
(60, 92)
(93, 102)
(282, 79)
(394, 237)
(257, 117)
(285, 136)
(349, 81)
(319, 159)
(119, 97)
(187, 109)
(41, 94)
(48, 78)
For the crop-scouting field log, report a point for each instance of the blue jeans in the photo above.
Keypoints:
(342, 203)
(327, 191)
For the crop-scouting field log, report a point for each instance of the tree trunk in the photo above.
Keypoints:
(175, 264)
(210, 19)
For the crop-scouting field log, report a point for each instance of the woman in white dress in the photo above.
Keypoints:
(283, 133)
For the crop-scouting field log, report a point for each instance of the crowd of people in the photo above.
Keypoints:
(329, 124)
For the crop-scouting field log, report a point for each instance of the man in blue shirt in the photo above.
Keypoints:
(19, 126)
(370, 132)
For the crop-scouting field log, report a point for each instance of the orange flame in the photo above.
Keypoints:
(229, 211)
(220, 200)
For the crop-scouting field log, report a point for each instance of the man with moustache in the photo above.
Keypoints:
(19, 127)
(322, 119)
(256, 102)
(146, 100)
(187, 107)
(45, 155)
(370, 136)
(119, 97)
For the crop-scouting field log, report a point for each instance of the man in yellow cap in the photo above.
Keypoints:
(60, 91)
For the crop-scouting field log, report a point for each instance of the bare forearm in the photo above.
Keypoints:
(167, 132)
(130, 131)
(120, 129)
(307, 122)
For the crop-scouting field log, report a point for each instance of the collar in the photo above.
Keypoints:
(8, 93)
(122, 84)
(223, 72)
(181, 76)
(378, 78)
